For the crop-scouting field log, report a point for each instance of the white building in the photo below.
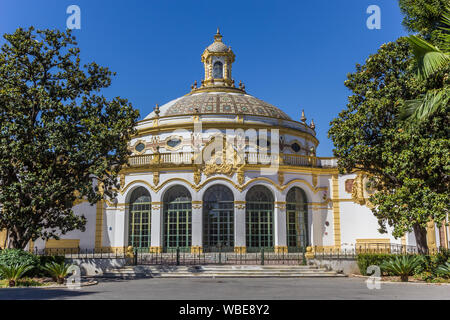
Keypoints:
(188, 187)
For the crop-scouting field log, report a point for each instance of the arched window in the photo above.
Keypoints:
(297, 218)
(259, 218)
(218, 70)
(139, 220)
(177, 218)
(218, 218)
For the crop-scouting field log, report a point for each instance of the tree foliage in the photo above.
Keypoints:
(409, 167)
(423, 16)
(59, 137)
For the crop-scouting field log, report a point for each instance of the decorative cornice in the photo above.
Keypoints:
(238, 187)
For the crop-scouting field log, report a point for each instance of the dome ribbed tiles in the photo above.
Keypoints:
(223, 103)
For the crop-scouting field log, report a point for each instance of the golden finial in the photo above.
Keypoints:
(312, 125)
(303, 118)
(157, 110)
(218, 36)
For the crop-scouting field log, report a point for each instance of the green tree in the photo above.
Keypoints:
(408, 167)
(59, 137)
(423, 16)
(431, 60)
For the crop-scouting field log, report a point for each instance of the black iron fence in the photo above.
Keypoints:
(226, 255)
(78, 253)
(181, 257)
(350, 252)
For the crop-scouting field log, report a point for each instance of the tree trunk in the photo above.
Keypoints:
(17, 241)
(421, 239)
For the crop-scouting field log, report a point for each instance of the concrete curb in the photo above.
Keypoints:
(400, 282)
(59, 286)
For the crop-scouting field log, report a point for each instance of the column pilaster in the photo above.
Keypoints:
(197, 227)
(156, 245)
(239, 227)
(280, 227)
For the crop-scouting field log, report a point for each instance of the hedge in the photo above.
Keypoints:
(9, 257)
(430, 264)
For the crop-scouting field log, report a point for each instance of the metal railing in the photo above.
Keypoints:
(177, 158)
(260, 257)
(351, 252)
(77, 253)
(226, 255)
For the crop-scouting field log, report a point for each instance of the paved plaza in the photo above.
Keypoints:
(245, 289)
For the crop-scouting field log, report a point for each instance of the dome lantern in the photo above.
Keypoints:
(217, 60)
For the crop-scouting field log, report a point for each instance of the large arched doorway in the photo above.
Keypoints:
(218, 218)
(297, 218)
(139, 218)
(177, 218)
(259, 218)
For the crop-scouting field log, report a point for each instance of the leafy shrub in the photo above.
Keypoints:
(58, 271)
(12, 257)
(432, 262)
(43, 261)
(14, 272)
(444, 270)
(364, 260)
(402, 265)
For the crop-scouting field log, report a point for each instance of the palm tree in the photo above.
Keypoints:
(430, 59)
(14, 272)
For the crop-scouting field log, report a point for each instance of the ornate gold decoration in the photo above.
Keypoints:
(196, 249)
(280, 178)
(224, 161)
(156, 249)
(101, 188)
(156, 206)
(314, 180)
(122, 180)
(281, 249)
(238, 187)
(240, 250)
(197, 176)
(360, 194)
(156, 178)
(309, 253)
(238, 204)
(240, 176)
(281, 205)
(197, 204)
(130, 252)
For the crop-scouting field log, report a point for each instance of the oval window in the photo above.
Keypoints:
(140, 147)
(173, 142)
(296, 147)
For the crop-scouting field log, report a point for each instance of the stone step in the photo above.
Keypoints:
(225, 267)
(224, 275)
(130, 271)
(220, 271)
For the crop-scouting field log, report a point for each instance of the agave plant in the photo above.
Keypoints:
(444, 269)
(58, 271)
(402, 266)
(14, 272)
(430, 59)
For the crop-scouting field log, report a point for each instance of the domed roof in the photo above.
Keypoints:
(220, 103)
(217, 47)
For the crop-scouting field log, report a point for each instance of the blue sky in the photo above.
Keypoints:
(292, 54)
